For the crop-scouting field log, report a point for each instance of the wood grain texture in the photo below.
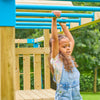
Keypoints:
(44, 2)
(37, 71)
(46, 64)
(17, 73)
(32, 50)
(26, 70)
(7, 63)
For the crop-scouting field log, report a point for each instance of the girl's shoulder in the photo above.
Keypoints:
(55, 60)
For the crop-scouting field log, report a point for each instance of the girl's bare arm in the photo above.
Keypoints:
(68, 34)
(55, 45)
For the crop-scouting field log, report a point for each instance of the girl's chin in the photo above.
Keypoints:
(67, 55)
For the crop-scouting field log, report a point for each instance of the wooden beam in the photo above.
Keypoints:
(90, 23)
(26, 69)
(17, 74)
(25, 40)
(7, 63)
(43, 2)
(37, 71)
(86, 21)
(46, 64)
(32, 50)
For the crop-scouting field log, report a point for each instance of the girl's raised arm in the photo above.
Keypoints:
(55, 43)
(68, 34)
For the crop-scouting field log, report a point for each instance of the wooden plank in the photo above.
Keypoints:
(25, 40)
(74, 25)
(18, 96)
(39, 39)
(97, 15)
(96, 21)
(43, 2)
(7, 63)
(26, 68)
(40, 94)
(48, 94)
(32, 50)
(46, 65)
(24, 95)
(37, 71)
(17, 77)
(32, 95)
(51, 91)
(85, 20)
(20, 40)
(28, 95)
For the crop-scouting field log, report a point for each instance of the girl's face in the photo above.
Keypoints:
(64, 46)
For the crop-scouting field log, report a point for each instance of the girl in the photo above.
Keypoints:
(62, 64)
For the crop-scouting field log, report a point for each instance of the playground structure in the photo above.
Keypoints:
(9, 55)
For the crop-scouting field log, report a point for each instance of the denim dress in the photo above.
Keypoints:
(68, 88)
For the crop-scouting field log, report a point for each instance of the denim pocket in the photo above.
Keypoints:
(62, 92)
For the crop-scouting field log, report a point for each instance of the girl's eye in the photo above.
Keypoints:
(64, 46)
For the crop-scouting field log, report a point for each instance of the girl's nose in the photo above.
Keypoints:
(68, 48)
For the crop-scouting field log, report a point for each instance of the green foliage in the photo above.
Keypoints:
(87, 54)
(86, 82)
(87, 47)
(86, 4)
(98, 84)
(28, 33)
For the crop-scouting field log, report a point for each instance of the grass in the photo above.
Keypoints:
(90, 96)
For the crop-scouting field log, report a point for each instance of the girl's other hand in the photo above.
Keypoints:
(63, 23)
(56, 13)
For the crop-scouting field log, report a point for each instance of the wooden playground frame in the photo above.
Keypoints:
(9, 62)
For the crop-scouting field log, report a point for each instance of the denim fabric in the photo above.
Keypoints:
(68, 88)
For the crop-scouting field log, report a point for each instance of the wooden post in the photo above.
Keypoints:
(37, 71)
(0, 65)
(26, 68)
(17, 74)
(46, 65)
(7, 62)
(7, 49)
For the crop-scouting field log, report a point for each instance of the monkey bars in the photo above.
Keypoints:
(54, 7)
